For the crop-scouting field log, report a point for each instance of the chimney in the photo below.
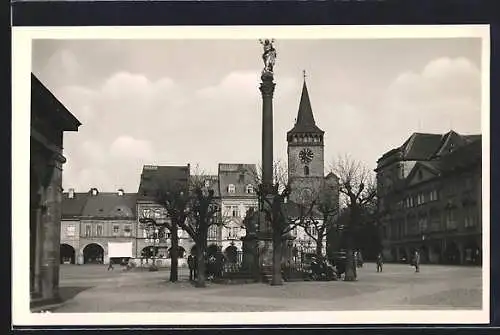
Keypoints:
(71, 193)
(120, 192)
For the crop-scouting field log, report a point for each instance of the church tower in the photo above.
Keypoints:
(305, 152)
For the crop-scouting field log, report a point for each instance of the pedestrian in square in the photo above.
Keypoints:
(191, 267)
(380, 262)
(110, 266)
(195, 267)
(417, 261)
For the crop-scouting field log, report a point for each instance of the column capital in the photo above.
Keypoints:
(267, 88)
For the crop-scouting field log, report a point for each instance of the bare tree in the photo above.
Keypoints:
(358, 192)
(174, 197)
(204, 212)
(318, 217)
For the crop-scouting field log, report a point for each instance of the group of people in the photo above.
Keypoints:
(415, 262)
(214, 266)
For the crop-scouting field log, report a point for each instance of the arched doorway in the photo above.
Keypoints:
(149, 252)
(451, 254)
(93, 254)
(180, 252)
(472, 253)
(212, 250)
(231, 253)
(67, 254)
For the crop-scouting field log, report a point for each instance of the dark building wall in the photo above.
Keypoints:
(436, 209)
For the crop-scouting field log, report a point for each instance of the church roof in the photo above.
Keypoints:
(305, 119)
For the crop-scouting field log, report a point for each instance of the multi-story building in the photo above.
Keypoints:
(158, 243)
(237, 192)
(306, 167)
(429, 191)
(48, 122)
(96, 221)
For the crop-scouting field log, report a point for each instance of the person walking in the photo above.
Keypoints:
(191, 267)
(417, 261)
(110, 266)
(380, 262)
(195, 267)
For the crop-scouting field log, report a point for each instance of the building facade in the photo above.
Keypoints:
(93, 222)
(49, 120)
(429, 190)
(237, 192)
(151, 243)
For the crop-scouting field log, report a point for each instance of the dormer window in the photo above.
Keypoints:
(94, 191)
(249, 188)
(120, 192)
(231, 188)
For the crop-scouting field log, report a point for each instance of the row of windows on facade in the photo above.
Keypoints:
(419, 199)
(235, 211)
(231, 188)
(415, 225)
(307, 139)
(99, 230)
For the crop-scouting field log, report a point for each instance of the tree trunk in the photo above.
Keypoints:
(174, 254)
(277, 255)
(319, 243)
(319, 248)
(201, 251)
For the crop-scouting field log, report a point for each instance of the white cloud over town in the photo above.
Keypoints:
(175, 108)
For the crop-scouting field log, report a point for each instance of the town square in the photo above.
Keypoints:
(256, 175)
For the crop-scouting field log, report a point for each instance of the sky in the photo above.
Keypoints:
(173, 102)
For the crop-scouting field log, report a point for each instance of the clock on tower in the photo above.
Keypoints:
(306, 155)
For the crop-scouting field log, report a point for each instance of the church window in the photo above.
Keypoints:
(306, 170)
(99, 230)
(231, 188)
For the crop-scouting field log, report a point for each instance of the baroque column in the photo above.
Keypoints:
(267, 90)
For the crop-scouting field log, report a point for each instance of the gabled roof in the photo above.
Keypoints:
(421, 146)
(425, 146)
(240, 175)
(110, 205)
(73, 207)
(463, 157)
(154, 177)
(305, 119)
(432, 166)
(46, 105)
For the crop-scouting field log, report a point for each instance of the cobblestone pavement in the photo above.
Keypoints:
(93, 289)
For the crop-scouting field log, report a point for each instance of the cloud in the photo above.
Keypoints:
(445, 94)
(131, 148)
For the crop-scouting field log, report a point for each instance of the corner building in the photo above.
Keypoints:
(430, 191)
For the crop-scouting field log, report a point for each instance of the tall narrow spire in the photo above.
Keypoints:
(305, 119)
(305, 114)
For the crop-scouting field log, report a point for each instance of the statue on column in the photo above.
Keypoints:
(269, 55)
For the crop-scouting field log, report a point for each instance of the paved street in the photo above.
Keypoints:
(91, 288)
